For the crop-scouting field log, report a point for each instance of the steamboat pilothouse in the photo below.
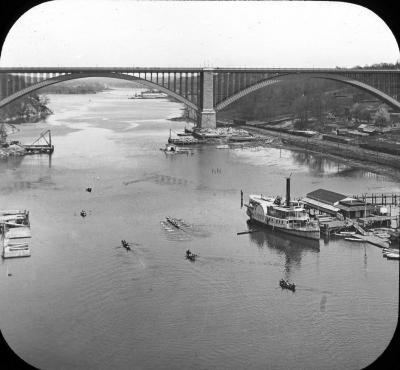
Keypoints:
(286, 216)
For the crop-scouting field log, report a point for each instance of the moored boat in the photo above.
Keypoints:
(18, 232)
(14, 218)
(173, 221)
(347, 233)
(15, 233)
(390, 250)
(382, 235)
(12, 249)
(171, 148)
(289, 217)
(354, 239)
(16, 251)
(392, 256)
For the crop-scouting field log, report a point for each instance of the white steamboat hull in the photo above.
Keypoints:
(309, 234)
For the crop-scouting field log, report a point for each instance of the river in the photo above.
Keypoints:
(81, 302)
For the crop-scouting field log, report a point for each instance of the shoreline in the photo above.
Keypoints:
(380, 163)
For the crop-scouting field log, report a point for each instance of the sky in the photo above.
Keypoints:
(73, 33)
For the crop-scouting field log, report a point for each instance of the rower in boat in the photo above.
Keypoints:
(286, 285)
(190, 256)
(173, 221)
(125, 244)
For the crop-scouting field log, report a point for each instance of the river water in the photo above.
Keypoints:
(80, 302)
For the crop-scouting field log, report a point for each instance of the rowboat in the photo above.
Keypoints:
(392, 256)
(286, 285)
(18, 232)
(347, 233)
(382, 235)
(354, 239)
(190, 256)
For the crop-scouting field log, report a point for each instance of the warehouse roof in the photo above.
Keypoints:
(326, 196)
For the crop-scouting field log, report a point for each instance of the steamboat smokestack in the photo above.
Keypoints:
(288, 191)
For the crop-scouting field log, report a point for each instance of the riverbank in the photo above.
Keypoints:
(30, 108)
(381, 163)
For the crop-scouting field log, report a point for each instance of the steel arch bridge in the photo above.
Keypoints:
(204, 90)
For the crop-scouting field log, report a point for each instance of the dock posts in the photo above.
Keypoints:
(241, 198)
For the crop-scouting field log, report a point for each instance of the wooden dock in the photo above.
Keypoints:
(39, 149)
(44, 148)
(375, 240)
(332, 226)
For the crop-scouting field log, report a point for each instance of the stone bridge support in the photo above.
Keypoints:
(207, 114)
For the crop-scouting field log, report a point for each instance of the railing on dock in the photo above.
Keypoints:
(380, 199)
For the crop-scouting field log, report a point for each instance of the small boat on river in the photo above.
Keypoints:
(190, 256)
(392, 256)
(125, 244)
(286, 285)
(347, 233)
(15, 218)
(173, 221)
(382, 235)
(173, 149)
(354, 239)
(18, 232)
(16, 250)
(390, 250)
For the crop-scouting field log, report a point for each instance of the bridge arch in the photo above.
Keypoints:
(74, 76)
(279, 78)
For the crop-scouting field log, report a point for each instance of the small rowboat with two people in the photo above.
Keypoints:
(125, 244)
(286, 285)
(190, 256)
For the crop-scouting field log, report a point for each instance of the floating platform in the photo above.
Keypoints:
(38, 149)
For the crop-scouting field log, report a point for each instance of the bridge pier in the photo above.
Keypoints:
(207, 119)
(207, 116)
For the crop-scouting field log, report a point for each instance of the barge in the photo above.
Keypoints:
(15, 233)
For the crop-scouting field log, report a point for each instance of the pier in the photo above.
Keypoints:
(40, 148)
(380, 199)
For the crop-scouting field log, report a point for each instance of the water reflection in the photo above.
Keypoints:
(11, 162)
(290, 246)
(320, 165)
